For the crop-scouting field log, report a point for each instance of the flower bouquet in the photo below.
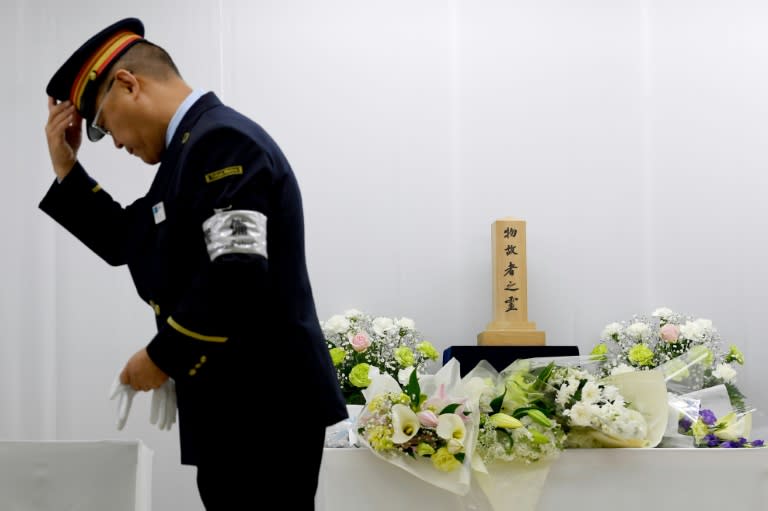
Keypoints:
(647, 342)
(707, 414)
(518, 436)
(730, 431)
(516, 422)
(698, 371)
(423, 427)
(536, 407)
(613, 411)
(362, 346)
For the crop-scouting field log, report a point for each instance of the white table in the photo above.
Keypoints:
(581, 479)
(75, 476)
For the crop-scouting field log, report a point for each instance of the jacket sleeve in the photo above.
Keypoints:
(225, 192)
(82, 207)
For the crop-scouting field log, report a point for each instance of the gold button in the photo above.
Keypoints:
(185, 137)
(192, 372)
(203, 359)
(198, 366)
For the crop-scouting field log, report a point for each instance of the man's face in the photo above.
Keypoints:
(123, 115)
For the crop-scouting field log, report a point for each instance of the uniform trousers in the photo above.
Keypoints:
(291, 458)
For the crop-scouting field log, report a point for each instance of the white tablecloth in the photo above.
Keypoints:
(75, 476)
(581, 479)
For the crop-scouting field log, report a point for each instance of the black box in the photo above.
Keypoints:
(501, 356)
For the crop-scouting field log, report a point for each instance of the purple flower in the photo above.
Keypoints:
(707, 417)
(684, 424)
(712, 440)
(757, 443)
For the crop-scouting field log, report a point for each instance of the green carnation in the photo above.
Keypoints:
(426, 349)
(338, 355)
(445, 461)
(404, 356)
(699, 430)
(358, 376)
(424, 449)
(599, 352)
(641, 355)
(735, 355)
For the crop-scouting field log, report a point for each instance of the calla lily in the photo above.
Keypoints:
(405, 424)
(502, 420)
(450, 425)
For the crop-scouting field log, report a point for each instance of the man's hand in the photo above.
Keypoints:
(140, 373)
(64, 132)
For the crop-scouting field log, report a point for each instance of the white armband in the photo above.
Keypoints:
(238, 231)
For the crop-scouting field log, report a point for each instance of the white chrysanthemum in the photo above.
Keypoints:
(639, 331)
(590, 393)
(566, 391)
(336, 324)
(622, 368)
(611, 393)
(698, 331)
(611, 330)
(625, 423)
(406, 323)
(353, 314)
(725, 372)
(580, 414)
(383, 325)
(663, 313)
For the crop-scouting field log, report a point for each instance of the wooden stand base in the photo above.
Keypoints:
(511, 338)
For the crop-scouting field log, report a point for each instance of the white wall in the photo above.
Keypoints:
(629, 134)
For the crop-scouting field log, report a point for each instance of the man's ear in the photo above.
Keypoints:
(127, 80)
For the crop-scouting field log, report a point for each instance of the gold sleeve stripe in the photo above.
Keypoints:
(96, 188)
(194, 335)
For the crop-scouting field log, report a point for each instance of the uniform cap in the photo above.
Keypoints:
(79, 78)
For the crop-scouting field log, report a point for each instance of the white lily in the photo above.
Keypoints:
(735, 427)
(405, 424)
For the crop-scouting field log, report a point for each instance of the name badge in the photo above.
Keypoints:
(158, 211)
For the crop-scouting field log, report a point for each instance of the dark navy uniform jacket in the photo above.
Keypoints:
(216, 247)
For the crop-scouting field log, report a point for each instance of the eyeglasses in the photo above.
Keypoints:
(96, 132)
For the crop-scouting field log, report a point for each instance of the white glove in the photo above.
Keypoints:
(163, 412)
(124, 394)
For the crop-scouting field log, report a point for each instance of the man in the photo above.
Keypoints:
(216, 249)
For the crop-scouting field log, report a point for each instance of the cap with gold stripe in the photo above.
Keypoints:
(79, 77)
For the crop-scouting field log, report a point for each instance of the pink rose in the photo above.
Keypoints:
(670, 332)
(360, 342)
